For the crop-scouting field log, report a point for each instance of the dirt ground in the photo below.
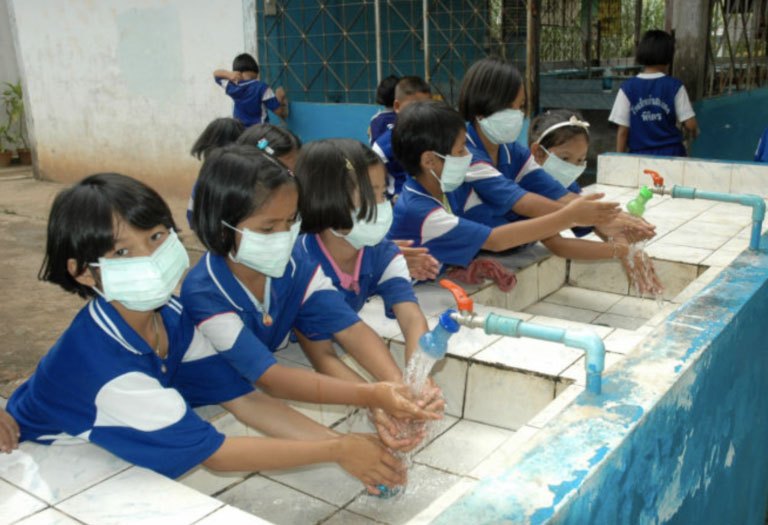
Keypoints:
(32, 313)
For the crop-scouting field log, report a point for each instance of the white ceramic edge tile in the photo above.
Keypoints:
(441, 503)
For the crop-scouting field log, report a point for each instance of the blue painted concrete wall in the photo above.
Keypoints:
(731, 125)
(680, 434)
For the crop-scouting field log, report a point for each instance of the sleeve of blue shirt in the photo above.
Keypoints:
(323, 310)
(270, 100)
(394, 284)
(542, 183)
(457, 245)
(495, 190)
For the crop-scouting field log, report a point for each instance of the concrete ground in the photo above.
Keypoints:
(33, 314)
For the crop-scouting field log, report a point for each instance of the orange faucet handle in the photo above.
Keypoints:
(463, 302)
(658, 180)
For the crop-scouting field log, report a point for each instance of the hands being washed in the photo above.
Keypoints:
(633, 229)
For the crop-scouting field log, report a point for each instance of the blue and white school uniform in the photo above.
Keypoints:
(252, 100)
(451, 239)
(381, 122)
(233, 320)
(761, 155)
(396, 174)
(380, 270)
(101, 382)
(651, 105)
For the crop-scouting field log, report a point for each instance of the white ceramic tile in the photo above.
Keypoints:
(618, 170)
(526, 292)
(710, 176)
(662, 316)
(461, 448)
(505, 398)
(276, 503)
(620, 321)
(506, 455)
(49, 516)
(424, 485)
(601, 331)
(16, 504)
(139, 496)
(328, 482)
(675, 252)
(563, 400)
(446, 499)
(562, 384)
(736, 245)
(451, 375)
(698, 285)
(698, 226)
(674, 276)
(635, 307)
(551, 275)
(543, 357)
(563, 312)
(611, 192)
(735, 215)
(372, 313)
(721, 258)
(344, 517)
(433, 299)
(53, 473)
(701, 239)
(520, 257)
(750, 178)
(583, 298)
(623, 341)
(671, 169)
(209, 482)
(578, 374)
(604, 276)
(231, 516)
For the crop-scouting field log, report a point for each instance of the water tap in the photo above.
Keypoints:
(465, 306)
(658, 182)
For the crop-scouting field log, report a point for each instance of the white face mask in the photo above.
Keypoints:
(364, 233)
(266, 253)
(144, 283)
(503, 126)
(454, 171)
(563, 172)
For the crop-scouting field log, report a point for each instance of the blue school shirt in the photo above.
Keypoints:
(383, 272)
(451, 239)
(396, 173)
(651, 104)
(101, 382)
(225, 311)
(252, 100)
(761, 155)
(381, 122)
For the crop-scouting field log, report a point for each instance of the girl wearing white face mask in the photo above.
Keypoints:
(127, 372)
(253, 287)
(346, 215)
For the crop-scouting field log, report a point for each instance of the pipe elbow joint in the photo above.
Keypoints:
(592, 345)
(757, 204)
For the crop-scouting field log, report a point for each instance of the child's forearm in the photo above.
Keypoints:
(581, 249)
(326, 361)
(223, 73)
(622, 138)
(276, 419)
(287, 382)
(369, 350)
(522, 232)
(413, 324)
(534, 205)
(253, 453)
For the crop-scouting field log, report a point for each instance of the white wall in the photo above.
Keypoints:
(9, 71)
(124, 85)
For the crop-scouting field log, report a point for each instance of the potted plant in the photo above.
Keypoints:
(5, 153)
(14, 109)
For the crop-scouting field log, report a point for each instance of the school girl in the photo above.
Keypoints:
(127, 372)
(252, 287)
(280, 143)
(431, 143)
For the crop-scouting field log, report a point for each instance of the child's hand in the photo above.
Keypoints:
(641, 273)
(586, 211)
(634, 229)
(363, 456)
(280, 94)
(397, 400)
(9, 432)
(236, 77)
(421, 265)
(390, 432)
(432, 396)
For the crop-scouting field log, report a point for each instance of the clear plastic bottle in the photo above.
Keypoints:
(637, 205)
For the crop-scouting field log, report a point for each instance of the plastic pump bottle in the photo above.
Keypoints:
(637, 205)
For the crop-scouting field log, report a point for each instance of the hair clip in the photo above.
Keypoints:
(349, 165)
(573, 121)
(263, 145)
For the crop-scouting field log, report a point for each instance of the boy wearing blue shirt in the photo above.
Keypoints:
(252, 97)
(408, 89)
(649, 106)
(385, 118)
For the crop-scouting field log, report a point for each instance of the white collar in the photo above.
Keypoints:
(649, 76)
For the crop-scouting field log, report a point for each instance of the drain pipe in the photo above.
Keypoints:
(685, 192)
(494, 324)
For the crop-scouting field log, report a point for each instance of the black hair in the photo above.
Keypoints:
(411, 85)
(281, 140)
(656, 48)
(245, 62)
(219, 132)
(489, 85)
(385, 91)
(424, 126)
(81, 225)
(234, 182)
(329, 182)
(558, 136)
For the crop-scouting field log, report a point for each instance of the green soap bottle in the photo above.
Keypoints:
(637, 205)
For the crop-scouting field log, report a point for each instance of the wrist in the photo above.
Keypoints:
(366, 394)
(620, 251)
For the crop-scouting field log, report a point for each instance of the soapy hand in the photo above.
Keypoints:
(421, 265)
(587, 211)
(432, 396)
(397, 400)
(9, 432)
(633, 229)
(363, 456)
(394, 433)
(640, 270)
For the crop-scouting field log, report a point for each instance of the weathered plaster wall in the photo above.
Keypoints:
(678, 436)
(124, 85)
(9, 71)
